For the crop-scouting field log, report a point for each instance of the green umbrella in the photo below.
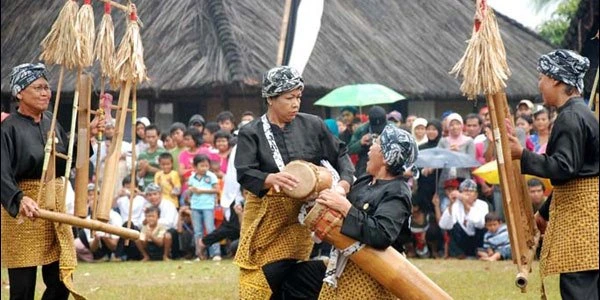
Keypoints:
(359, 95)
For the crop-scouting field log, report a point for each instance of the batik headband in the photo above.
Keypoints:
(566, 66)
(399, 148)
(23, 75)
(280, 80)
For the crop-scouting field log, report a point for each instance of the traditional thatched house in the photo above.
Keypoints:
(580, 37)
(204, 56)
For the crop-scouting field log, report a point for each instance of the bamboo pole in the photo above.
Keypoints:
(49, 147)
(72, 133)
(118, 5)
(283, 32)
(503, 175)
(114, 154)
(87, 223)
(82, 165)
(132, 188)
(594, 89)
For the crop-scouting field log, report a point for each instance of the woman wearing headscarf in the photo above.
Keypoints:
(376, 213)
(272, 239)
(418, 131)
(28, 244)
(456, 141)
(426, 182)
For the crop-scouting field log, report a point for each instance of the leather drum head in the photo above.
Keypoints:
(306, 175)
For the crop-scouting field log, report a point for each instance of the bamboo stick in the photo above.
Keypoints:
(72, 132)
(87, 223)
(133, 160)
(118, 5)
(49, 147)
(113, 156)
(510, 221)
(283, 32)
(594, 89)
(82, 165)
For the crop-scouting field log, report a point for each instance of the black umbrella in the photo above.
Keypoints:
(439, 158)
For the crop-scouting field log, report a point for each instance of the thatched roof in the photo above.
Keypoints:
(191, 44)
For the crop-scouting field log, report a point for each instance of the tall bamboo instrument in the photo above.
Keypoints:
(485, 70)
(70, 44)
(130, 70)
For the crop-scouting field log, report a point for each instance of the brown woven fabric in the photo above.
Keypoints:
(270, 232)
(571, 239)
(39, 242)
(254, 285)
(355, 284)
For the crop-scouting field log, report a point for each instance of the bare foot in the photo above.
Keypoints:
(146, 258)
(166, 258)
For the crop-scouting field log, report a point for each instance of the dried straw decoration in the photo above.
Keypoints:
(130, 56)
(61, 45)
(105, 44)
(87, 33)
(483, 66)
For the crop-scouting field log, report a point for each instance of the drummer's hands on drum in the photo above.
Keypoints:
(281, 180)
(28, 208)
(335, 201)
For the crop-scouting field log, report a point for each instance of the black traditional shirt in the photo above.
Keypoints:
(22, 155)
(305, 138)
(379, 213)
(573, 146)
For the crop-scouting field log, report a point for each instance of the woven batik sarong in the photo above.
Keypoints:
(27, 243)
(270, 232)
(355, 284)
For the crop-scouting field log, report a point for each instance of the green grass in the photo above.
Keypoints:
(462, 279)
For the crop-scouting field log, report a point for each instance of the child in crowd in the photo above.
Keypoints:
(465, 220)
(202, 187)
(185, 228)
(121, 204)
(168, 179)
(496, 243)
(440, 205)
(90, 247)
(168, 142)
(426, 235)
(152, 236)
(215, 167)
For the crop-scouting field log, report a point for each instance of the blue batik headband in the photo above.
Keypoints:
(23, 75)
(399, 148)
(566, 66)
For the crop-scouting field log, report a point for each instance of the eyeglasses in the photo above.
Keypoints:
(40, 88)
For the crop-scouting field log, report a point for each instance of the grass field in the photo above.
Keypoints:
(462, 279)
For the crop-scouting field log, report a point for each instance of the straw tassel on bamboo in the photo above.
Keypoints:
(104, 49)
(130, 56)
(483, 66)
(60, 46)
(87, 33)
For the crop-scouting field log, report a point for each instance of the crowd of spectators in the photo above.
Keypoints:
(188, 204)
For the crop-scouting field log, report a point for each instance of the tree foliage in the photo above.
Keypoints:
(555, 29)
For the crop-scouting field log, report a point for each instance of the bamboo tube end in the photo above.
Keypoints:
(521, 281)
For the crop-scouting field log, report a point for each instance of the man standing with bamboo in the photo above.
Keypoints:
(571, 163)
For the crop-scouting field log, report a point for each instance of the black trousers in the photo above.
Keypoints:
(290, 279)
(579, 285)
(22, 283)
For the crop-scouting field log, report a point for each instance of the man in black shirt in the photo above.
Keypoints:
(571, 163)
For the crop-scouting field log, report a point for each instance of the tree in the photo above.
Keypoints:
(555, 29)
